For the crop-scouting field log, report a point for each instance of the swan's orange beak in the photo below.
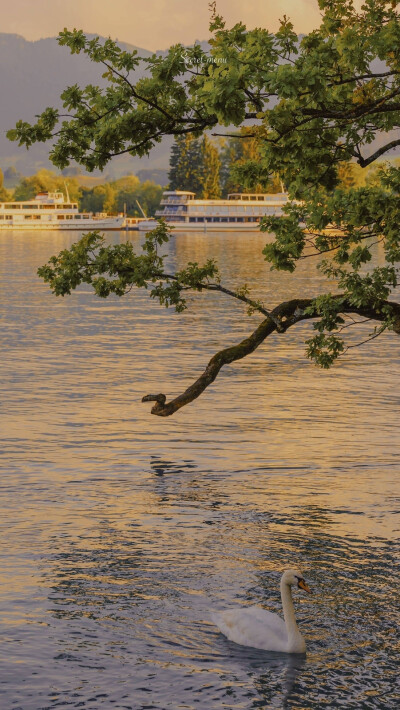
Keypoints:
(303, 585)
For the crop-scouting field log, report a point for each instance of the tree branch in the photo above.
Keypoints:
(366, 161)
(234, 294)
(287, 313)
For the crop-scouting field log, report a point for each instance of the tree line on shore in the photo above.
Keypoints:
(209, 168)
(112, 197)
(205, 166)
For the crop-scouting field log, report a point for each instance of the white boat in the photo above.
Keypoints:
(239, 212)
(50, 211)
(132, 223)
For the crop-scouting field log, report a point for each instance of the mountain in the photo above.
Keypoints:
(33, 76)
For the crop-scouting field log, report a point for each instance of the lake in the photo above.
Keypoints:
(124, 531)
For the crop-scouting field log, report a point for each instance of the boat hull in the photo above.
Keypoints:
(83, 226)
(204, 227)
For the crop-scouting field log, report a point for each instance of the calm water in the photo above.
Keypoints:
(123, 531)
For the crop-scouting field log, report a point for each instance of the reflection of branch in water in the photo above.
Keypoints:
(162, 466)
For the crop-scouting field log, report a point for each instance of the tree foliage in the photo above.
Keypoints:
(4, 194)
(122, 195)
(186, 164)
(312, 106)
(242, 156)
(112, 197)
(195, 165)
(212, 169)
(45, 181)
(210, 179)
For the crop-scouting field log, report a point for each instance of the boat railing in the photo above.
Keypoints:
(166, 211)
(174, 201)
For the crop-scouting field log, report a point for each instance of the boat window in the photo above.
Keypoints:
(1, 216)
(13, 206)
(85, 216)
(30, 206)
(260, 198)
(60, 216)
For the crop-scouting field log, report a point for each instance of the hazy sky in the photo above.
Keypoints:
(150, 24)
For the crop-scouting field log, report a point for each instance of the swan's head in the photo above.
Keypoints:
(294, 578)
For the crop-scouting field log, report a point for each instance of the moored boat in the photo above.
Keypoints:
(50, 211)
(239, 212)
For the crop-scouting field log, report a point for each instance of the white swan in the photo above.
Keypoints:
(256, 627)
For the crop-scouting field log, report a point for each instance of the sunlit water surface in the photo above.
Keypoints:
(123, 531)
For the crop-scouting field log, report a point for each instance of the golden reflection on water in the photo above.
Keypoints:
(117, 519)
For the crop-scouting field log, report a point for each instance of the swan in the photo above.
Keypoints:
(259, 628)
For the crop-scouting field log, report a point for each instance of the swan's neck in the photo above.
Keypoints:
(295, 639)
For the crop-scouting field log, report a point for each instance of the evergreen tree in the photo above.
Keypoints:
(210, 179)
(186, 165)
(175, 162)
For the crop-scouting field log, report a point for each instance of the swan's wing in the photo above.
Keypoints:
(253, 626)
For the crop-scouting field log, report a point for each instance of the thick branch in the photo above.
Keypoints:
(288, 313)
(366, 161)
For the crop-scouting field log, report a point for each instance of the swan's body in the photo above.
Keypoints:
(256, 627)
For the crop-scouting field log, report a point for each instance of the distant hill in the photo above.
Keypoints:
(33, 76)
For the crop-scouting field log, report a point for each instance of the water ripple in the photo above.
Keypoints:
(123, 532)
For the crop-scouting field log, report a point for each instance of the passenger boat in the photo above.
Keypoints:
(132, 223)
(239, 212)
(49, 210)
